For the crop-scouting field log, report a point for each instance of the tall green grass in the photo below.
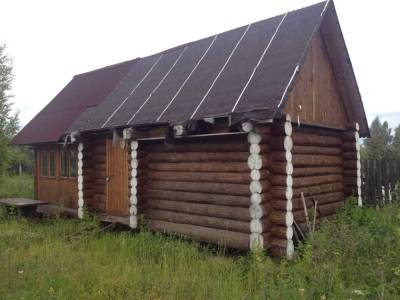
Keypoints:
(356, 257)
(16, 186)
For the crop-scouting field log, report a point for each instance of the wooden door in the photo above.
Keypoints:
(117, 180)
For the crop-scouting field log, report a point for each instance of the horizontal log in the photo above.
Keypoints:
(217, 236)
(299, 182)
(297, 203)
(281, 143)
(304, 160)
(351, 136)
(99, 189)
(99, 166)
(98, 182)
(280, 218)
(352, 181)
(330, 208)
(279, 193)
(239, 144)
(99, 158)
(281, 180)
(258, 198)
(282, 232)
(352, 165)
(304, 139)
(259, 149)
(201, 167)
(352, 173)
(217, 199)
(199, 157)
(353, 155)
(259, 187)
(258, 211)
(304, 172)
(99, 198)
(205, 221)
(283, 168)
(297, 149)
(243, 178)
(228, 212)
(281, 156)
(319, 131)
(260, 225)
(99, 174)
(258, 162)
(350, 146)
(205, 187)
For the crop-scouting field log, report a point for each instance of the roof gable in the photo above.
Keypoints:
(244, 70)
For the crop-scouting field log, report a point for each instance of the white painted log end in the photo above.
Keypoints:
(256, 211)
(255, 149)
(255, 175)
(256, 241)
(288, 118)
(247, 126)
(359, 200)
(289, 181)
(80, 155)
(80, 194)
(288, 143)
(133, 210)
(134, 154)
(289, 193)
(133, 222)
(255, 187)
(133, 172)
(289, 250)
(80, 213)
(133, 181)
(289, 233)
(289, 168)
(134, 163)
(289, 205)
(289, 219)
(80, 203)
(133, 200)
(253, 138)
(80, 147)
(80, 164)
(254, 162)
(288, 128)
(134, 145)
(255, 198)
(256, 226)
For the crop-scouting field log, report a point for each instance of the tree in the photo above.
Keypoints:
(378, 146)
(8, 120)
(396, 143)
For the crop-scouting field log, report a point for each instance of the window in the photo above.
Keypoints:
(44, 163)
(64, 164)
(73, 163)
(69, 163)
(52, 164)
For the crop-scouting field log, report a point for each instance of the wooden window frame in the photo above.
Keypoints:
(42, 154)
(70, 151)
(68, 155)
(54, 164)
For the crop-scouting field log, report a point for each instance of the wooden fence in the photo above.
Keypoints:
(379, 178)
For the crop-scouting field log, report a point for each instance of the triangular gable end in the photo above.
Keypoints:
(315, 98)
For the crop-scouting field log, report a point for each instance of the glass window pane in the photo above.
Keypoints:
(73, 163)
(44, 163)
(64, 164)
(52, 163)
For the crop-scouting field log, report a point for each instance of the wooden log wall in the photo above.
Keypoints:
(94, 175)
(201, 188)
(308, 161)
(351, 162)
(137, 159)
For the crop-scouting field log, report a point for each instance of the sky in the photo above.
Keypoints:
(51, 41)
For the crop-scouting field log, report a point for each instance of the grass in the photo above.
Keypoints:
(355, 257)
(16, 186)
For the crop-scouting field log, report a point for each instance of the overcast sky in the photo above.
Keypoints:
(51, 41)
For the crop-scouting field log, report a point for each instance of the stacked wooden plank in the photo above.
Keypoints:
(352, 163)
(200, 188)
(314, 167)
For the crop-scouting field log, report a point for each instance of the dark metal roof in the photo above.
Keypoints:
(247, 69)
(244, 73)
(83, 91)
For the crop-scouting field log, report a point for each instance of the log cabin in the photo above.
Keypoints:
(219, 139)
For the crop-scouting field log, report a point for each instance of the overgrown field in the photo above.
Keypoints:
(16, 186)
(357, 257)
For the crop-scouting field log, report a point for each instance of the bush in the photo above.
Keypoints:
(16, 186)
